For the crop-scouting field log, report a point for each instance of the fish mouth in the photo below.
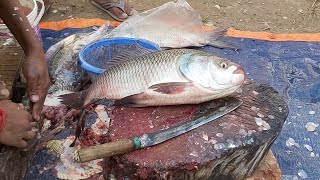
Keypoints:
(239, 70)
(239, 76)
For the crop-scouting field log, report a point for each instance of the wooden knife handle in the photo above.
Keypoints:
(106, 150)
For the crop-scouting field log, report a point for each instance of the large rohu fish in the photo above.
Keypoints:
(168, 77)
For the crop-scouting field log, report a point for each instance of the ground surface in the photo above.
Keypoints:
(286, 16)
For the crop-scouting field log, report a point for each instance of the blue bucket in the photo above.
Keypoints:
(94, 56)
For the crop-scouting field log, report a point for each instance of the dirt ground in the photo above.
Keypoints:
(277, 16)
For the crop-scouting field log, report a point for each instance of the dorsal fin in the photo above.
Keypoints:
(126, 52)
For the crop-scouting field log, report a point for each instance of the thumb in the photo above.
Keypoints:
(33, 90)
(20, 144)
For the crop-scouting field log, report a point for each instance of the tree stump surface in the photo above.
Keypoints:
(230, 147)
(11, 58)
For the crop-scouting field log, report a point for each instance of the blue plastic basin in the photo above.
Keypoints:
(93, 57)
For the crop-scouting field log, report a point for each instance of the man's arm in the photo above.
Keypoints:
(35, 68)
(13, 16)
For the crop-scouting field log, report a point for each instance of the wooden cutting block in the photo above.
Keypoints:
(11, 55)
(230, 147)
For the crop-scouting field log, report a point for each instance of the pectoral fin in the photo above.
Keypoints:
(170, 88)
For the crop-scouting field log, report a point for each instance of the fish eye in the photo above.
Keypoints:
(224, 64)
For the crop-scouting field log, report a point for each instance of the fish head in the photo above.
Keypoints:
(212, 72)
(224, 73)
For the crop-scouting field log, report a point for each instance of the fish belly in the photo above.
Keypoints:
(190, 95)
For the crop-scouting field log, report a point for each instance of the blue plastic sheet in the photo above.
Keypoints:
(293, 69)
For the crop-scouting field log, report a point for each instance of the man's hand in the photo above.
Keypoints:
(35, 70)
(18, 125)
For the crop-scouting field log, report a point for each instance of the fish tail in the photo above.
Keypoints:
(73, 100)
(218, 32)
(214, 38)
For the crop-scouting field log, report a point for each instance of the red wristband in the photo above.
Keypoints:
(2, 119)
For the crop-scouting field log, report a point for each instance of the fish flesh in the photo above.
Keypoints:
(67, 168)
(167, 77)
(173, 25)
(56, 159)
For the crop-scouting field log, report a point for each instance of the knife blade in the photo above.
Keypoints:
(150, 139)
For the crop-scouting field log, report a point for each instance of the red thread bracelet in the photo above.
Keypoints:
(2, 119)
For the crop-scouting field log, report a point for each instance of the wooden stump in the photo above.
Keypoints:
(230, 147)
(11, 58)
